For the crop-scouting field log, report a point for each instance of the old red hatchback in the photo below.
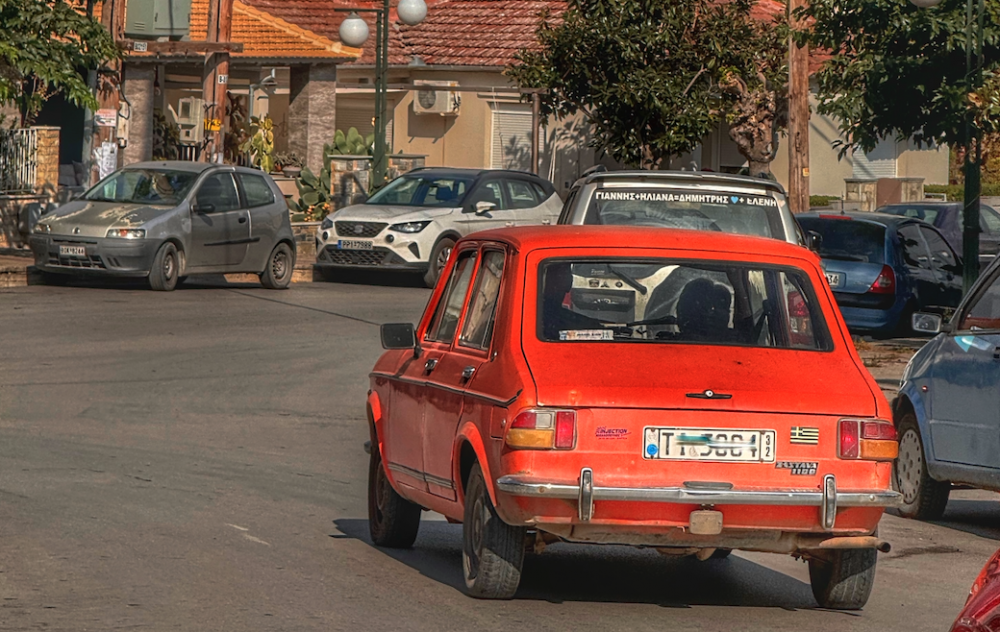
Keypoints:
(695, 392)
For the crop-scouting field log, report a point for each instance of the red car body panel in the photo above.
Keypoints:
(429, 422)
(982, 609)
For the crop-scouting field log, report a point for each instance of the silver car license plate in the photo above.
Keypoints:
(709, 444)
(354, 244)
(72, 251)
(834, 278)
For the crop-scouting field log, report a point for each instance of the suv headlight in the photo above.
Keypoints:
(327, 224)
(409, 227)
(127, 233)
(42, 228)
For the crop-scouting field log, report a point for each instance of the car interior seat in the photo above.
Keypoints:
(703, 311)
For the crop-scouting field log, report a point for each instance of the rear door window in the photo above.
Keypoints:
(915, 254)
(256, 190)
(449, 308)
(847, 239)
(477, 329)
(985, 311)
(943, 258)
(521, 194)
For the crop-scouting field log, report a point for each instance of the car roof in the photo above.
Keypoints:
(528, 238)
(885, 219)
(702, 177)
(459, 171)
(176, 165)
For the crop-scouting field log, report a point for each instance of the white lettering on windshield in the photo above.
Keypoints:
(699, 198)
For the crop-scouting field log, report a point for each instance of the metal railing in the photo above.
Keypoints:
(18, 160)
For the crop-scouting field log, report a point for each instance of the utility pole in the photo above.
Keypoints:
(215, 80)
(106, 119)
(798, 117)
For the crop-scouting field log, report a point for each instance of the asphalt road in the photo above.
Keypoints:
(193, 461)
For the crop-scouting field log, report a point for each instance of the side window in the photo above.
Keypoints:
(488, 192)
(477, 331)
(219, 192)
(449, 309)
(256, 190)
(521, 194)
(991, 220)
(539, 192)
(915, 253)
(985, 312)
(942, 257)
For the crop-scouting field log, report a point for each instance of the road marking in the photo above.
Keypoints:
(235, 526)
(253, 539)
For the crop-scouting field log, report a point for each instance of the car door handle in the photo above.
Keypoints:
(243, 220)
(467, 373)
(430, 365)
(509, 224)
(996, 353)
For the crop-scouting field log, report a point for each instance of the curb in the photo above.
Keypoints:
(22, 276)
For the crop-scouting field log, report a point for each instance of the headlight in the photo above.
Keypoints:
(42, 228)
(327, 224)
(127, 233)
(409, 227)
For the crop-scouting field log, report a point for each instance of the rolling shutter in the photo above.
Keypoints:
(878, 163)
(511, 139)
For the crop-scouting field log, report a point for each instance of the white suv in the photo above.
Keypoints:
(414, 222)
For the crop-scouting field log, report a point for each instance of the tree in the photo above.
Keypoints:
(898, 70)
(46, 48)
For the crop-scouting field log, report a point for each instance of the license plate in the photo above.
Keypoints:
(72, 251)
(834, 278)
(353, 244)
(709, 444)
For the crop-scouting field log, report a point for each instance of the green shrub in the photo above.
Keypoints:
(821, 200)
(956, 192)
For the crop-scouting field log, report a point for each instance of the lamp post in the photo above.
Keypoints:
(354, 32)
(972, 163)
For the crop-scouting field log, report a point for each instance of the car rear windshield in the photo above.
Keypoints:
(921, 211)
(674, 301)
(419, 190)
(847, 239)
(159, 187)
(737, 213)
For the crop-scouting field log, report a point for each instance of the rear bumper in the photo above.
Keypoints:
(829, 499)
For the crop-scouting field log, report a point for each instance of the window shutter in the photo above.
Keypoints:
(879, 163)
(511, 139)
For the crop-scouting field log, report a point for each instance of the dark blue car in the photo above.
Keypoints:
(883, 268)
(947, 218)
(947, 413)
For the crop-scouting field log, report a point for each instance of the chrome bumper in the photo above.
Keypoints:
(828, 499)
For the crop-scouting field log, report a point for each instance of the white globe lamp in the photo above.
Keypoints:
(411, 12)
(354, 30)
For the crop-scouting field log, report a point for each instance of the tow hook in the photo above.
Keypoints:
(368, 447)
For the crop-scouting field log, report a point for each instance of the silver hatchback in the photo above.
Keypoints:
(167, 220)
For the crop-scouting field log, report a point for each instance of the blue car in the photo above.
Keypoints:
(947, 413)
(947, 218)
(884, 268)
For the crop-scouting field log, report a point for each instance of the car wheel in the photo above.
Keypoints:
(439, 259)
(280, 265)
(166, 266)
(923, 497)
(492, 550)
(393, 521)
(843, 580)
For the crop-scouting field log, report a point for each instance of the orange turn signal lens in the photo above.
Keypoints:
(874, 450)
(523, 438)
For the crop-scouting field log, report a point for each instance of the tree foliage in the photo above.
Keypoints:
(46, 48)
(899, 70)
(654, 77)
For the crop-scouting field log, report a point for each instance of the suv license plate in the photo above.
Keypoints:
(352, 244)
(709, 444)
(834, 278)
(72, 251)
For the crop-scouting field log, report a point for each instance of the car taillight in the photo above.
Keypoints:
(885, 283)
(799, 319)
(543, 429)
(870, 439)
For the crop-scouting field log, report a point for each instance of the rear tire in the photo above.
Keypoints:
(166, 266)
(439, 258)
(277, 275)
(843, 581)
(923, 497)
(492, 550)
(393, 521)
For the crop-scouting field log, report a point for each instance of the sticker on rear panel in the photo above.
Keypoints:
(804, 435)
(587, 334)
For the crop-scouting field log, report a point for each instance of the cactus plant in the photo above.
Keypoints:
(350, 144)
(260, 144)
(314, 194)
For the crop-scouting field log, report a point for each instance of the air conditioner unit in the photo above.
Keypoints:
(430, 98)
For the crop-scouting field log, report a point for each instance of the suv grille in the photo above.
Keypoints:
(354, 257)
(350, 229)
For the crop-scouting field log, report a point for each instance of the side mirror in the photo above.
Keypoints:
(398, 336)
(928, 323)
(815, 240)
(202, 208)
(482, 208)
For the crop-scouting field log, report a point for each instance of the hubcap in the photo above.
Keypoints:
(474, 539)
(443, 259)
(168, 267)
(909, 466)
(279, 265)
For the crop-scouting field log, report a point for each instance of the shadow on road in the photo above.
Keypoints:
(594, 573)
(372, 277)
(978, 517)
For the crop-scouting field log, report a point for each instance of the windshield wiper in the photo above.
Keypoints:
(635, 285)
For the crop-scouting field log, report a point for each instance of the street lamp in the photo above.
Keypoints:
(354, 32)
(973, 136)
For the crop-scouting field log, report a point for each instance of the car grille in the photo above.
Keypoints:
(375, 257)
(367, 229)
(91, 262)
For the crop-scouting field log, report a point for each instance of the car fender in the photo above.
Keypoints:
(910, 394)
(376, 426)
(469, 433)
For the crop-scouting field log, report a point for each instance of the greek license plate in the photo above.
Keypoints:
(834, 278)
(709, 444)
(72, 251)
(353, 244)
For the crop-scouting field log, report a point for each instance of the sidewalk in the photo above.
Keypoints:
(886, 359)
(14, 270)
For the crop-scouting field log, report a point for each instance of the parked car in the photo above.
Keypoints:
(682, 199)
(414, 222)
(981, 612)
(168, 220)
(730, 412)
(947, 217)
(948, 409)
(884, 268)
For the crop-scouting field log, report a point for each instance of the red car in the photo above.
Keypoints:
(690, 391)
(982, 609)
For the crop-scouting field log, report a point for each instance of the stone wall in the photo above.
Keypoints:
(47, 161)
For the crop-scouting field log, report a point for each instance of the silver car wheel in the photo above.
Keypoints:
(909, 466)
(169, 266)
(279, 265)
(442, 259)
